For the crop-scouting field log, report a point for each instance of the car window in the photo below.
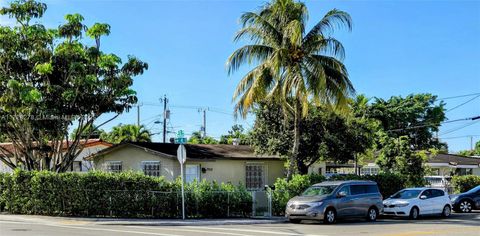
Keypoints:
(437, 193)
(345, 189)
(372, 189)
(427, 193)
(473, 190)
(406, 194)
(319, 190)
(358, 189)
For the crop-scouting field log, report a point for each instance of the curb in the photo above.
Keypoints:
(193, 222)
(137, 222)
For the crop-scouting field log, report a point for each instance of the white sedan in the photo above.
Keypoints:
(413, 202)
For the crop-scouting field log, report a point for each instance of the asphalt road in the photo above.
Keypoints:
(458, 224)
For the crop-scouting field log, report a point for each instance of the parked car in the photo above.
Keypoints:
(330, 200)
(414, 202)
(468, 201)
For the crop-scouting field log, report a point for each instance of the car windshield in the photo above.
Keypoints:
(319, 190)
(406, 194)
(474, 190)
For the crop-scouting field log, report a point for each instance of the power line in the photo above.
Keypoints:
(469, 100)
(459, 96)
(464, 136)
(459, 128)
(428, 124)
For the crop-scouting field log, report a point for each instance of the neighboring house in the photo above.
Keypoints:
(440, 165)
(90, 147)
(223, 163)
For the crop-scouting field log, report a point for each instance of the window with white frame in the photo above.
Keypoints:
(151, 168)
(113, 166)
(255, 176)
(192, 172)
(369, 170)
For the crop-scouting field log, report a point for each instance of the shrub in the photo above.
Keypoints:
(284, 190)
(464, 183)
(126, 194)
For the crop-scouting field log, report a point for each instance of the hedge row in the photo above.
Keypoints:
(464, 183)
(388, 184)
(126, 194)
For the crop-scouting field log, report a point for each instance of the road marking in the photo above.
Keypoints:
(92, 229)
(247, 230)
(177, 228)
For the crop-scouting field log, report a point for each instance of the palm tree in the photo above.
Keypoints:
(292, 67)
(128, 133)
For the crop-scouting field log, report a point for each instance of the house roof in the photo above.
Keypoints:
(456, 159)
(6, 148)
(194, 151)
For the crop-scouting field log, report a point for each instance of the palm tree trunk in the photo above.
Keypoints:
(296, 141)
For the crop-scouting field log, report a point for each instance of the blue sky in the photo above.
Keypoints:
(395, 48)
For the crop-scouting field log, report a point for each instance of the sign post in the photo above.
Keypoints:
(182, 157)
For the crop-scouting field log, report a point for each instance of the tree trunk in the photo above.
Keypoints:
(296, 141)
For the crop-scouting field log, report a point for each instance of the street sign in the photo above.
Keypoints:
(182, 157)
(180, 139)
(181, 154)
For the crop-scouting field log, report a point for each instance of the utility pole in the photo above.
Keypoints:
(471, 143)
(204, 126)
(166, 115)
(138, 114)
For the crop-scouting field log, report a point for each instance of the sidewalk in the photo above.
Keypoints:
(137, 222)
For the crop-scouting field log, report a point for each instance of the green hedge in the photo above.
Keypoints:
(126, 194)
(464, 183)
(388, 184)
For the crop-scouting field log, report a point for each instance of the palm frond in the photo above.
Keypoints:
(252, 19)
(247, 54)
(332, 20)
(329, 46)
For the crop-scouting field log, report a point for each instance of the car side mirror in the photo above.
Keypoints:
(341, 194)
(423, 197)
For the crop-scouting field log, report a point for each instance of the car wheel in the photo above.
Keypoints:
(330, 216)
(465, 206)
(372, 214)
(294, 221)
(414, 213)
(447, 210)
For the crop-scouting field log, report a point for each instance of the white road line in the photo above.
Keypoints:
(247, 230)
(92, 229)
(177, 228)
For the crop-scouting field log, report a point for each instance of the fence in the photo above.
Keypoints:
(147, 204)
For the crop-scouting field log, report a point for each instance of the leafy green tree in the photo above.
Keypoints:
(474, 152)
(327, 135)
(51, 80)
(127, 133)
(293, 67)
(417, 116)
(90, 131)
(397, 157)
(197, 138)
(236, 134)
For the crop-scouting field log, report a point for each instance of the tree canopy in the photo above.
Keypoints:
(127, 133)
(235, 134)
(292, 66)
(474, 152)
(197, 138)
(51, 80)
(327, 136)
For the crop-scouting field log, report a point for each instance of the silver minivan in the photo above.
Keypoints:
(330, 200)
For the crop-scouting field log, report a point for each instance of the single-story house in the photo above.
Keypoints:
(90, 147)
(440, 165)
(223, 163)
